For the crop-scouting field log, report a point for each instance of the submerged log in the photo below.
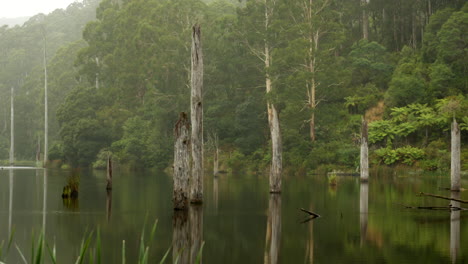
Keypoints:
(455, 159)
(364, 152)
(181, 163)
(196, 103)
(442, 197)
(309, 212)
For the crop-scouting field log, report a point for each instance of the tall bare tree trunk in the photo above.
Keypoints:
(46, 108)
(273, 234)
(181, 163)
(196, 102)
(273, 118)
(455, 228)
(181, 237)
(455, 160)
(365, 20)
(413, 30)
(364, 152)
(109, 173)
(12, 128)
(38, 151)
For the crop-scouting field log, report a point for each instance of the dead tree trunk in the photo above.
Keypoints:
(181, 162)
(364, 152)
(196, 102)
(46, 108)
(365, 20)
(455, 161)
(109, 173)
(215, 155)
(273, 118)
(12, 129)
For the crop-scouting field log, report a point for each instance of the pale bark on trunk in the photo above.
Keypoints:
(196, 102)
(97, 74)
(38, 151)
(413, 30)
(365, 20)
(46, 109)
(181, 163)
(196, 231)
(12, 128)
(364, 164)
(273, 120)
(109, 173)
(180, 237)
(455, 228)
(273, 233)
(455, 160)
(363, 210)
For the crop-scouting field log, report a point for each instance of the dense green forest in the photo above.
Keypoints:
(119, 74)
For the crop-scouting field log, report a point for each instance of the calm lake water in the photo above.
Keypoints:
(240, 222)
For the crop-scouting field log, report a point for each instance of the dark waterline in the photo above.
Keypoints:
(240, 221)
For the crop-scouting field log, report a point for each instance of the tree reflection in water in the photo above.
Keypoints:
(187, 234)
(455, 228)
(363, 210)
(273, 232)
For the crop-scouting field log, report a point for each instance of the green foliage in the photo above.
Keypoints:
(140, 145)
(82, 132)
(407, 155)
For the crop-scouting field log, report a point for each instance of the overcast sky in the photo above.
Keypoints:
(20, 8)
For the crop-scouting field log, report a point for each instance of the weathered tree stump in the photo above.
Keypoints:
(364, 152)
(181, 163)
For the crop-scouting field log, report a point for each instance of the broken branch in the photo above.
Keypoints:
(309, 212)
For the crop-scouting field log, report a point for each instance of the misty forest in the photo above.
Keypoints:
(295, 96)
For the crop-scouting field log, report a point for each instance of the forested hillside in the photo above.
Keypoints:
(403, 65)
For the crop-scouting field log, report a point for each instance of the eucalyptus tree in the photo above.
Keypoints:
(257, 20)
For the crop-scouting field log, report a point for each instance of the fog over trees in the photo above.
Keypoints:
(285, 82)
